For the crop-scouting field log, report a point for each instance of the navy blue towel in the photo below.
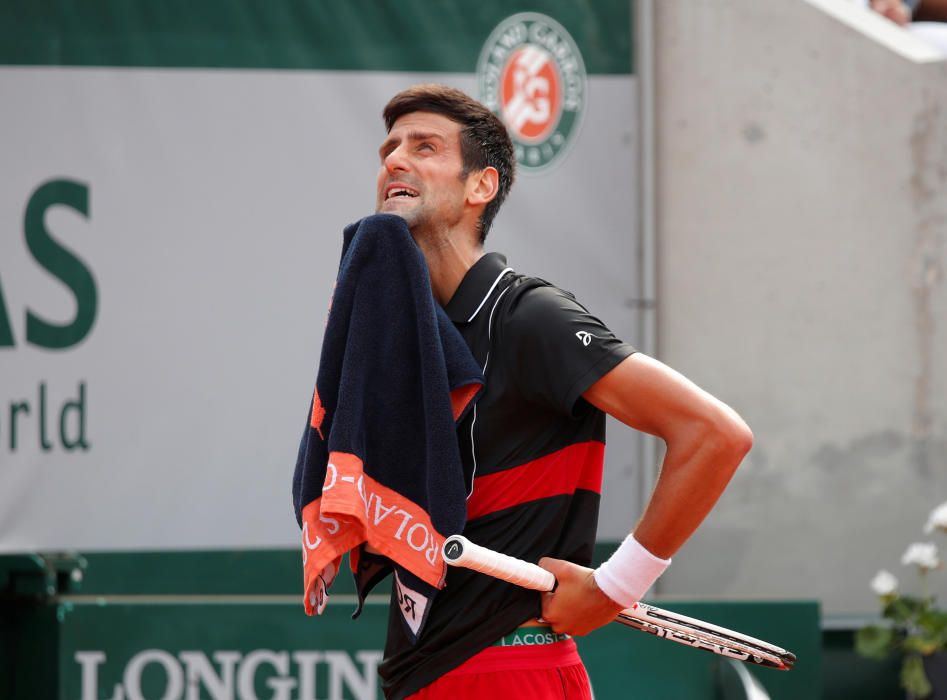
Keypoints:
(379, 473)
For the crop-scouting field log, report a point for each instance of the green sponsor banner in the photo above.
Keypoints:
(218, 651)
(155, 650)
(197, 625)
(374, 35)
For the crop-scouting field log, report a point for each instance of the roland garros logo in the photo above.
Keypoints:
(532, 76)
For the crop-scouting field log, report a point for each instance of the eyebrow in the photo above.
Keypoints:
(410, 136)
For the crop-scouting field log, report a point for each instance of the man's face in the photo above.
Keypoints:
(420, 174)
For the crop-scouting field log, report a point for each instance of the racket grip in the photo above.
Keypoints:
(459, 551)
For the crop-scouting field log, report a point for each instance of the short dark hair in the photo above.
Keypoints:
(484, 141)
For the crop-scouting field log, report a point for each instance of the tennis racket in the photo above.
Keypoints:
(459, 551)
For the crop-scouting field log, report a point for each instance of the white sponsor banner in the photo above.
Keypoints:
(207, 207)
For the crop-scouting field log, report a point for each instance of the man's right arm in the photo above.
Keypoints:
(706, 441)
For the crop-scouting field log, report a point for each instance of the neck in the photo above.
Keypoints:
(448, 259)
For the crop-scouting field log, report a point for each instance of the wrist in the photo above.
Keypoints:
(629, 572)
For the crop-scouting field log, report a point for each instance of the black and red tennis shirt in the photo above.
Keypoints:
(533, 451)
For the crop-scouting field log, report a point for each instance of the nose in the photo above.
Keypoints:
(395, 161)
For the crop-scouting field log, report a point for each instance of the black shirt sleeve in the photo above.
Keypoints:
(558, 348)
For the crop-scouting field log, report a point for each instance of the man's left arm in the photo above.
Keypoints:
(705, 440)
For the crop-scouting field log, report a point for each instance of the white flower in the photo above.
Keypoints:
(937, 520)
(922, 554)
(884, 583)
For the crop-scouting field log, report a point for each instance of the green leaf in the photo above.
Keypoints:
(905, 609)
(913, 678)
(921, 644)
(933, 622)
(874, 641)
(930, 633)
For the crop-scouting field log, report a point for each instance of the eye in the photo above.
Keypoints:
(426, 146)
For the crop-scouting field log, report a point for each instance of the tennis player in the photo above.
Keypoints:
(534, 445)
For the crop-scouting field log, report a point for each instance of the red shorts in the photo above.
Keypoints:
(543, 672)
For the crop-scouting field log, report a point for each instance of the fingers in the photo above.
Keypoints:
(554, 566)
(577, 606)
(551, 605)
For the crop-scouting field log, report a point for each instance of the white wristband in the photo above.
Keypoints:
(629, 572)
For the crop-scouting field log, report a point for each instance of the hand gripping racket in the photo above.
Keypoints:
(459, 551)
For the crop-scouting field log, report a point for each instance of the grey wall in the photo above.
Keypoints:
(801, 212)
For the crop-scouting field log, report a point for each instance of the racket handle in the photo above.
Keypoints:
(459, 551)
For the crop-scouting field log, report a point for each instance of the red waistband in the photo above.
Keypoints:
(516, 658)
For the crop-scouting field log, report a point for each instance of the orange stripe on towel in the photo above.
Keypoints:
(355, 508)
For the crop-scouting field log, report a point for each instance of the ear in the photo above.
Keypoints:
(482, 186)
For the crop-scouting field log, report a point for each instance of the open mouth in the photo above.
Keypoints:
(400, 192)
